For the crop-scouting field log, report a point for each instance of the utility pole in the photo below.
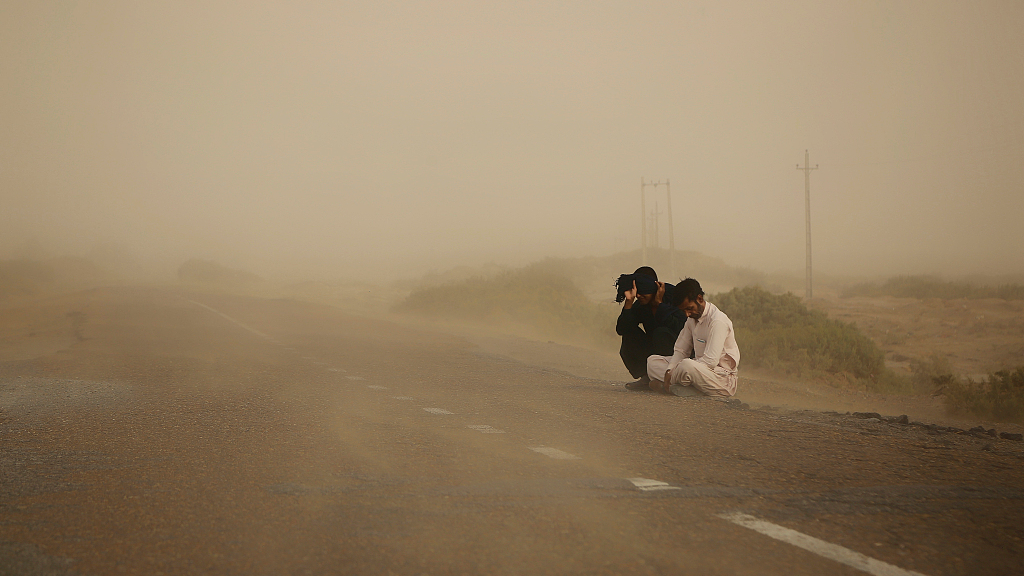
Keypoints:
(807, 210)
(656, 235)
(650, 228)
(643, 220)
(671, 235)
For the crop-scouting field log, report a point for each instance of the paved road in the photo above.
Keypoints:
(190, 433)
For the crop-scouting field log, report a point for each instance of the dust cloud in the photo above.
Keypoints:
(378, 140)
(325, 153)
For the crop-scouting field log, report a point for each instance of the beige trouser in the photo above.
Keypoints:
(690, 372)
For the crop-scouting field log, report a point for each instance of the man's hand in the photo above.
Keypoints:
(659, 295)
(630, 297)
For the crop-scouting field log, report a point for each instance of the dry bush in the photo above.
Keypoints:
(999, 397)
(533, 297)
(779, 333)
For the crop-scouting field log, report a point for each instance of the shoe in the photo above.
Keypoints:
(643, 383)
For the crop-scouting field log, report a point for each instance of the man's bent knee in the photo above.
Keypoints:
(686, 372)
(700, 376)
(657, 366)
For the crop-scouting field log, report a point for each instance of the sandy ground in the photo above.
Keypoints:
(155, 431)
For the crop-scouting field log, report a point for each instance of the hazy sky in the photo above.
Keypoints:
(389, 137)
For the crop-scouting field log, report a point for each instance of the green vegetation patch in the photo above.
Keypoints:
(779, 333)
(923, 287)
(533, 298)
(999, 397)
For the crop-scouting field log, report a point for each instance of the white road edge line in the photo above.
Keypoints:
(648, 485)
(816, 546)
(230, 319)
(554, 453)
(438, 411)
(484, 428)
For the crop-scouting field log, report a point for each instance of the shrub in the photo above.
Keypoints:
(933, 373)
(534, 298)
(999, 397)
(779, 333)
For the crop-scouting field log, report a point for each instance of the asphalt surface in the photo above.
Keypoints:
(191, 433)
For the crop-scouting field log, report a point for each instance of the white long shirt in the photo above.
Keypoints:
(711, 339)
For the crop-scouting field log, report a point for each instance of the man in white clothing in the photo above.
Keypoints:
(709, 338)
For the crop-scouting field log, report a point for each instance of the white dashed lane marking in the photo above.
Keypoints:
(554, 453)
(373, 387)
(648, 485)
(485, 429)
(230, 319)
(798, 539)
(819, 547)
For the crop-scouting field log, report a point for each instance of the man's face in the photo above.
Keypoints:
(644, 299)
(691, 308)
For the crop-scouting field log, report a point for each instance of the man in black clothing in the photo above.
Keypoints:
(647, 325)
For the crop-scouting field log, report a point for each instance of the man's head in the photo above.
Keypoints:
(646, 271)
(644, 280)
(689, 297)
(645, 289)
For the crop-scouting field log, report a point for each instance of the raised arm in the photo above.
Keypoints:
(628, 318)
